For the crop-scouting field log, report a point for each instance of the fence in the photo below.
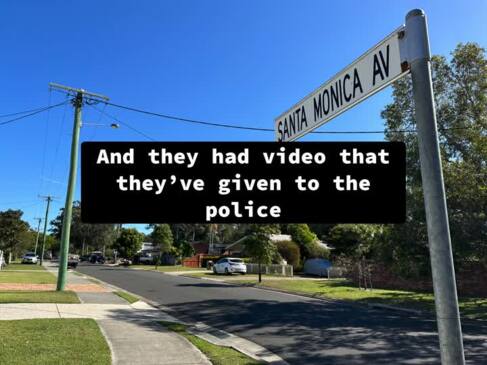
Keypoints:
(194, 261)
(284, 270)
(336, 272)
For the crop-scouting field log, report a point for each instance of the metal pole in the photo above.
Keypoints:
(37, 237)
(446, 301)
(68, 207)
(48, 198)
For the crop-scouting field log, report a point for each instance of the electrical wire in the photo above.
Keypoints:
(58, 144)
(33, 113)
(124, 123)
(23, 112)
(186, 120)
(234, 126)
(44, 150)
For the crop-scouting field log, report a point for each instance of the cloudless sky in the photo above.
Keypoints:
(240, 62)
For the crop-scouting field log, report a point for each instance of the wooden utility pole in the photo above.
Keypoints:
(80, 96)
(37, 236)
(49, 199)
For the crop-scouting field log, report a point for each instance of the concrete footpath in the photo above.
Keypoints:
(131, 330)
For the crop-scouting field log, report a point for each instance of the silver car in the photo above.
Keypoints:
(30, 258)
(229, 265)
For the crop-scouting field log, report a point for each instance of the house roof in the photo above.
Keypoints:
(280, 237)
(200, 247)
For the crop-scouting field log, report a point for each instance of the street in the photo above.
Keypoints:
(300, 330)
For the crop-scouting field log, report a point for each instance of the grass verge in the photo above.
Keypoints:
(127, 296)
(17, 266)
(172, 268)
(53, 341)
(218, 355)
(27, 277)
(38, 297)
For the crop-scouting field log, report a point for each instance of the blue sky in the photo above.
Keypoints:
(239, 62)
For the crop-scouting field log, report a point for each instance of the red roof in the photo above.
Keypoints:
(200, 247)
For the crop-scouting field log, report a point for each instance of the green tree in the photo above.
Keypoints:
(84, 235)
(353, 240)
(183, 248)
(259, 246)
(13, 231)
(460, 86)
(129, 242)
(307, 241)
(162, 237)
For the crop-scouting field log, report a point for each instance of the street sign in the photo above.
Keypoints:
(406, 49)
(374, 70)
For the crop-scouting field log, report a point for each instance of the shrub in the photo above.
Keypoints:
(289, 250)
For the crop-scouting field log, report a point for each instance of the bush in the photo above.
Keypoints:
(289, 251)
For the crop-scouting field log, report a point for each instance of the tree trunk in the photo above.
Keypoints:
(260, 271)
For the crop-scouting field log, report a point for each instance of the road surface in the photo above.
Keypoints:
(300, 330)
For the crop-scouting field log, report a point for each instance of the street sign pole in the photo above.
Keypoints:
(446, 301)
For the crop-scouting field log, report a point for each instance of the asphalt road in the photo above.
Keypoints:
(300, 330)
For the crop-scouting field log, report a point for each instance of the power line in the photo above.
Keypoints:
(186, 120)
(124, 123)
(33, 113)
(23, 112)
(234, 126)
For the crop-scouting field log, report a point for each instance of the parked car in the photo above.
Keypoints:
(73, 261)
(30, 258)
(318, 267)
(146, 259)
(124, 262)
(97, 257)
(230, 265)
(84, 258)
(2, 260)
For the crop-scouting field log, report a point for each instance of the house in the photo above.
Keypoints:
(147, 247)
(237, 248)
(200, 247)
(212, 249)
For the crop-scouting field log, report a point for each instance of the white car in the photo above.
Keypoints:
(29, 258)
(229, 265)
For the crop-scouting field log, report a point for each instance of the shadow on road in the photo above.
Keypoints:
(210, 285)
(303, 330)
(314, 333)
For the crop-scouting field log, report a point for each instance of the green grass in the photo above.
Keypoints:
(53, 341)
(474, 308)
(27, 277)
(17, 266)
(127, 296)
(172, 268)
(218, 355)
(38, 297)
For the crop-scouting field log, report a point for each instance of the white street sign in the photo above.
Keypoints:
(374, 70)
